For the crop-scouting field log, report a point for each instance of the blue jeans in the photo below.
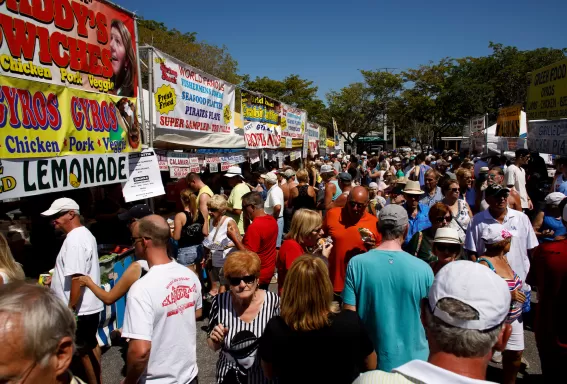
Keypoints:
(190, 255)
(280, 232)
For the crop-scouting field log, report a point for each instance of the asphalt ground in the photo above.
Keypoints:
(113, 358)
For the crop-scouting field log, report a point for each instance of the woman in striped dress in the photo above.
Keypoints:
(237, 320)
(497, 240)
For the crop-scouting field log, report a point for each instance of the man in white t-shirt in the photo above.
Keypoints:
(464, 318)
(274, 204)
(161, 312)
(515, 177)
(78, 257)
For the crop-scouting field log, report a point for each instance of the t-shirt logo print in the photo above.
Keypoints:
(179, 293)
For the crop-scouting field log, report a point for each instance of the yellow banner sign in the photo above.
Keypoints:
(39, 119)
(295, 143)
(547, 94)
(508, 122)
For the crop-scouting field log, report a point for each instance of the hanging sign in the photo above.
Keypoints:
(188, 100)
(259, 108)
(261, 135)
(508, 122)
(548, 137)
(547, 93)
(293, 121)
(477, 136)
(225, 166)
(145, 179)
(213, 167)
(162, 160)
(178, 159)
(20, 178)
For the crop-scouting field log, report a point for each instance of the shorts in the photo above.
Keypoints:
(85, 335)
(217, 274)
(280, 232)
(190, 255)
(516, 340)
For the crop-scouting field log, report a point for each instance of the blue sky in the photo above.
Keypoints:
(328, 41)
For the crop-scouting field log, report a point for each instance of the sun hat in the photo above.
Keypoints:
(495, 233)
(393, 215)
(373, 185)
(447, 235)
(495, 190)
(475, 285)
(60, 205)
(554, 198)
(483, 170)
(325, 168)
(270, 177)
(412, 188)
(138, 211)
(234, 171)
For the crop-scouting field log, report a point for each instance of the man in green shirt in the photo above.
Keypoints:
(239, 189)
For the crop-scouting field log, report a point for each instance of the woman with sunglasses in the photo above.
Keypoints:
(312, 341)
(219, 242)
(421, 243)
(188, 231)
(447, 247)
(467, 191)
(303, 236)
(461, 214)
(238, 318)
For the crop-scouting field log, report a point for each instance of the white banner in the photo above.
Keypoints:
(293, 121)
(181, 172)
(181, 159)
(213, 167)
(189, 100)
(548, 137)
(477, 134)
(20, 178)
(261, 135)
(145, 177)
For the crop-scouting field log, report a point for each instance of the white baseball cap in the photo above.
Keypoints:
(365, 153)
(373, 185)
(234, 171)
(495, 233)
(271, 177)
(60, 205)
(554, 198)
(326, 168)
(475, 285)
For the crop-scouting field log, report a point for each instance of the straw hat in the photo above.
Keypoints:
(412, 188)
(447, 235)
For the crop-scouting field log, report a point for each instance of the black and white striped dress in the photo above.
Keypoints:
(237, 358)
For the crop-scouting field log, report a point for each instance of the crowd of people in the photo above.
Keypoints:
(390, 268)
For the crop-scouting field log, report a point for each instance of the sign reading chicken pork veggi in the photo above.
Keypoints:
(69, 81)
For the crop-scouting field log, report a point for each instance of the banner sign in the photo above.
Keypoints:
(225, 166)
(261, 135)
(189, 100)
(181, 172)
(548, 137)
(313, 132)
(259, 108)
(145, 179)
(547, 93)
(69, 44)
(233, 159)
(335, 132)
(162, 159)
(477, 136)
(322, 137)
(293, 121)
(213, 167)
(508, 122)
(39, 119)
(20, 178)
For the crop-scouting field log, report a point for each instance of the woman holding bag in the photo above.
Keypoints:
(218, 242)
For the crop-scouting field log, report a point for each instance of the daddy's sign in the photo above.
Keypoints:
(19, 178)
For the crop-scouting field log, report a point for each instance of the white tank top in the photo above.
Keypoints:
(5, 277)
(222, 245)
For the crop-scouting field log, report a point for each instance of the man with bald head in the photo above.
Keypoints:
(343, 225)
(161, 312)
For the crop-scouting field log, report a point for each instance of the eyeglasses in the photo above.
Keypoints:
(492, 176)
(453, 248)
(61, 214)
(354, 204)
(234, 281)
(454, 189)
(134, 240)
(213, 210)
(441, 219)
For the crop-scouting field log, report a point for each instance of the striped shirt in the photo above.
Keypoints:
(237, 360)
(515, 307)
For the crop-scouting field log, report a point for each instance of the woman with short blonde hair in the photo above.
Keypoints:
(302, 195)
(311, 335)
(238, 318)
(10, 270)
(188, 231)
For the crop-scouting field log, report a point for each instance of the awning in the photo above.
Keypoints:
(370, 139)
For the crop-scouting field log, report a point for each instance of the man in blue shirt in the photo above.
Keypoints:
(418, 214)
(385, 287)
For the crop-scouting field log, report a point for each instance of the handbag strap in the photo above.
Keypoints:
(217, 228)
(453, 216)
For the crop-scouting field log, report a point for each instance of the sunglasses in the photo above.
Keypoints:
(453, 248)
(61, 214)
(213, 210)
(441, 219)
(454, 189)
(234, 281)
(354, 204)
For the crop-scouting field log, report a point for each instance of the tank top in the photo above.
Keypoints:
(221, 245)
(513, 285)
(338, 191)
(191, 232)
(5, 277)
(303, 200)
(555, 224)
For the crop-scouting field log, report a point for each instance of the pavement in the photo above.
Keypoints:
(113, 358)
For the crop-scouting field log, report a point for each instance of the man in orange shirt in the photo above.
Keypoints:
(343, 224)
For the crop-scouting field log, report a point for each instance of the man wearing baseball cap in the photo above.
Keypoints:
(385, 287)
(467, 302)
(331, 191)
(345, 184)
(78, 257)
(498, 212)
(239, 189)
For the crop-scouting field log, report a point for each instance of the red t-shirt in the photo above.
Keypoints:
(260, 237)
(347, 242)
(549, 268)
(289, 251)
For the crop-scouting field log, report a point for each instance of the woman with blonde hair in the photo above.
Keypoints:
(219, 242)
(303, 236)
(238, 318)
(10, 269)
(311, 341)
(302, 195)
(188, 231)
